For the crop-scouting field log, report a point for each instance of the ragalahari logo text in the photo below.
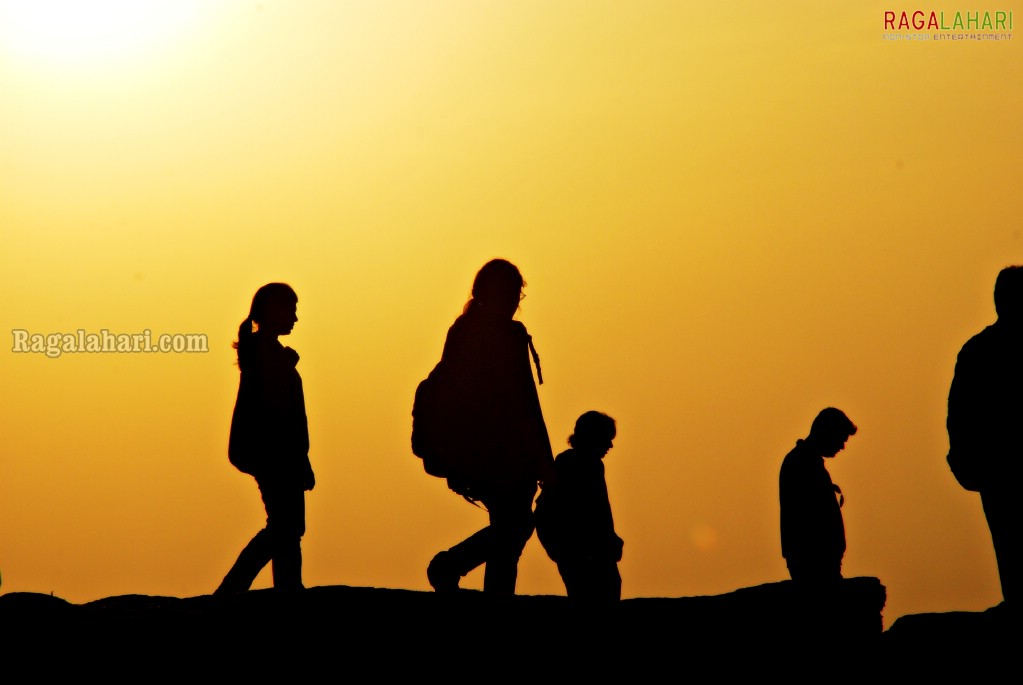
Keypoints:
(937, 25)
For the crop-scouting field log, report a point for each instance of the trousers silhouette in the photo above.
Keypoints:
(500, 544)
(279, 543)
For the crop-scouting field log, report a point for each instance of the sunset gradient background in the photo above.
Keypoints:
(729, 215)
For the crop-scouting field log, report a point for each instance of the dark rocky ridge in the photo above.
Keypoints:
(388, 633)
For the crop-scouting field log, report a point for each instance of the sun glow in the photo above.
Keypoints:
(88, 33)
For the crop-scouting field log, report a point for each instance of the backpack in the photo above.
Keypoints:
(547, 519)
(440, 425)
(432, 425)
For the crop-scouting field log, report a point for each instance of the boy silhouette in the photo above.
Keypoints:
(812, 529)
(573, 515)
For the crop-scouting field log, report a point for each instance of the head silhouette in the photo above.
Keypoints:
(497, 289)
(272, 313)
(594, 433)
(1009, 294)
(829, 431)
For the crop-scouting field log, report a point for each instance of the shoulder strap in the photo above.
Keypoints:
(536, 359)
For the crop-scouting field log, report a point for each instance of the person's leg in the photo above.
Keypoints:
(448, 566)
(498, 545)
(814, 571)
(285, 522)
(591, 582)
(591, 585)
(511, 524)
(611, 582)
(569, 571)
(796, 572)
(1001, 520)
(250, 562)
(252, 559)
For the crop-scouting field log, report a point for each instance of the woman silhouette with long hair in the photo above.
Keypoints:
(270, 440)
(507, 449)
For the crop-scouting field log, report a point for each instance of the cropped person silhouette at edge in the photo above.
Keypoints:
(985, 425)
(505, 446)
(812, 529)
(270, 440)
(573, 516)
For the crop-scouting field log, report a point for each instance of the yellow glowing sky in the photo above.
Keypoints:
(729, 215)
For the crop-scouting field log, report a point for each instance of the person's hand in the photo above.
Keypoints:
(617, 546)
(548, 479)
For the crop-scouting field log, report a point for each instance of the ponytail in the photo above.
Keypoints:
(244, 336)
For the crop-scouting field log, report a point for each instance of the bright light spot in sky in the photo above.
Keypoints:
(66, 33)
(704, 537)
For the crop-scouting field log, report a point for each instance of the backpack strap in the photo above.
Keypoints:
(536, 359)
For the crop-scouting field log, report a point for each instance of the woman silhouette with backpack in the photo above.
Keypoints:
(504, 444)
(270, 440)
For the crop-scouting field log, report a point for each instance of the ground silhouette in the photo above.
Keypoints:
(384, 633)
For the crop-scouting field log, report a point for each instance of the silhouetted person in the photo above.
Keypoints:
(985, 424)
(270, 440)
(507, 450)
(812, 529)
(573, 515)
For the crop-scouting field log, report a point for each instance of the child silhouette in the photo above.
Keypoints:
(573, 515)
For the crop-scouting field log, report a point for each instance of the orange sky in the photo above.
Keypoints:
(729, 216)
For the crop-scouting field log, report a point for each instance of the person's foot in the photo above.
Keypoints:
(440, 574)
(227, 588)
(291, 588)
